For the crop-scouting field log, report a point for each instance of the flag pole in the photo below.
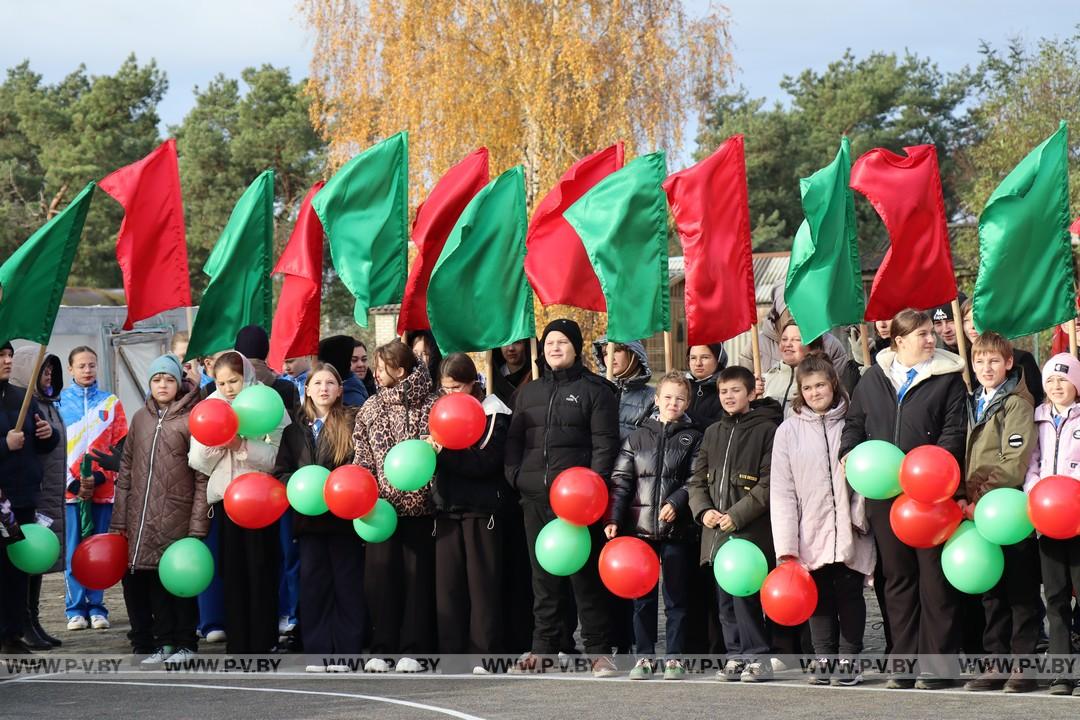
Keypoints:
(668, 352)
(865, 340)
(610, 353)
(1072, 337)
(755, 347)
(534, 359)
(961, 341)
(489, 370)
(31, 386)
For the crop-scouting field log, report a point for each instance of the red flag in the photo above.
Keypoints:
(555, 259)
(711, 207)
(295, 331)
(150, 247)
(435, 219)
(917, 271)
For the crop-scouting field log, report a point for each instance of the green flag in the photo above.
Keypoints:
(239, 292)
(478, 297)
(824, 280)
(622, 221)
(364, 210)
(1025, 281)
(32, 280)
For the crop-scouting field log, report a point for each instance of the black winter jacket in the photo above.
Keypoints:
(704, 407)
(652, 469)
(636, 399)
(21, 470)
(933, 411)
(298, 448)
(567, 418)
(470, 481)
(731, 474)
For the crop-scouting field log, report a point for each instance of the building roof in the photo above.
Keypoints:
(770, 268)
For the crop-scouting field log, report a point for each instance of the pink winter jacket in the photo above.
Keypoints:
(1058, 449)
(816, 516)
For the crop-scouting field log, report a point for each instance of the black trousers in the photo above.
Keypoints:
(516, 579)
(158, 618)
(468, 565)
(399, 582)
(331, 603)
(250, 571)
(1013, 606)
(839, 619)
(922, 606)
(1061, 577)
(13, 587)
(592, 598)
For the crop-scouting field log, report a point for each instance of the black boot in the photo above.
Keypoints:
(14, 646)
(33, 624)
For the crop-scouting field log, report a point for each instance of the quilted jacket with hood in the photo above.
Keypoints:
(396, 413)
(222, 464)
(95, 420)
(636, 399)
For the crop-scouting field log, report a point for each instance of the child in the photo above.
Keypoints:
(1022, 359)
(331, 553)
(817, 520)
(1057, 422)
(95, 423)
(468, 538)
(250, 559)
(657, 510)
(999, 445)
(729, 495)
(159, 500)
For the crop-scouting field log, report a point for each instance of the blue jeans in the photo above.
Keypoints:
(79, 600)
(212, 600)
(289, 588)
(678, 561)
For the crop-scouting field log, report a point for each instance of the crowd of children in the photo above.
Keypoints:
(704, 456)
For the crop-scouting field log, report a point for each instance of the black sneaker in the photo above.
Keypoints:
(927, 681)
(896, 682)
(818, 672)
(1061, 686)
(732, 671)
(987, 682)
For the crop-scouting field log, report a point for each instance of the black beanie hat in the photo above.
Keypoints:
(944, 312)
(569, 328)
(337, 351)
(7, 346)
(252, 342)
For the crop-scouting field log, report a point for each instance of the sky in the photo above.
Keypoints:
(194, 40)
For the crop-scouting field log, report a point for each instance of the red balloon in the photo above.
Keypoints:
(929, 474)
(629, 567)
(457, 421)
(100, 561)
(1054, 507)
(350, 492)
(924, 525)
(789, 595)
(213, 422)
(579, 496)
(254, 500)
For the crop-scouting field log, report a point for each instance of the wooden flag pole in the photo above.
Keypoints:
(1072, 337)
(190, 321)
(668, 352)
(31, 385)
(961, 341)
(865, 340)
(489, 370)
(610, 353)
(755, 347)
(534, 359)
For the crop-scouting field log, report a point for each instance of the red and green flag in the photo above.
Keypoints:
(364, 209)
(239, 292)
(622, 221)
(1025, 281)
(33, 279)
(824, 281)
(478, 297)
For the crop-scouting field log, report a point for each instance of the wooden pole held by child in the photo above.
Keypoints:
(668, 352)
(489, 372)
(864, 339)
(610, 374)
(535, 359)
(961, 341)
(31, 385)
(755, 348)
(1072, 337)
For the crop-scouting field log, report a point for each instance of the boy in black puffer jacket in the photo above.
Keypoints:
(650, 500)
(729, 495)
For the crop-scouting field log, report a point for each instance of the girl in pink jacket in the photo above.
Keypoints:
(819, 521)
(1057, 421)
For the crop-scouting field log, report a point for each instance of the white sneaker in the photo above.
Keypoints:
(215, 636)
(407, 665)
(179, 658)
(316, 668)
(284, 626)
(78, 623)
(99, 622)
(376, 665)
(158, 657)
(777, 664)
(480, 670)
(337, 668)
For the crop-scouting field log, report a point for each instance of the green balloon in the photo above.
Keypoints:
(561, 548)
(305, 490)
(186, 567)
(740, 567)
(259, 410)
(409, 465)
(379, 524)
(972, 564)
(37, 552)
(873, 469)
(1001, 516)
